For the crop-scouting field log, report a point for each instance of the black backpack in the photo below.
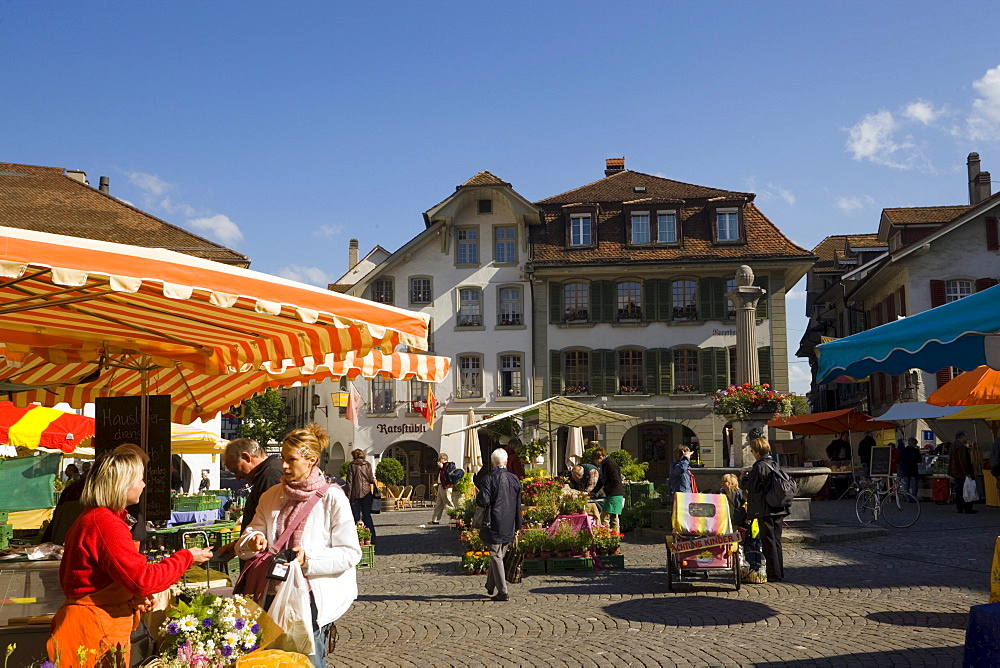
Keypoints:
(455, 473)
(781, 489)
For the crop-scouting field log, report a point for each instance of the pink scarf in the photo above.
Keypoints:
(297, 492)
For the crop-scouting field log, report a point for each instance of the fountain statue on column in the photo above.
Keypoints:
(745, 297)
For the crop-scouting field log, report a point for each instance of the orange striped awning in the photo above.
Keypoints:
(194, 395)
(34, 426)
(69, 300)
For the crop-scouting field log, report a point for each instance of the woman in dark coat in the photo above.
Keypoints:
(360, 488)
(960, 468)
(769, 520)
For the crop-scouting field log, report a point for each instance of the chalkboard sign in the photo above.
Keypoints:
(881, 459)
(118, 420)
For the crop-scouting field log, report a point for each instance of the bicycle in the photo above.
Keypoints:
(895, 505)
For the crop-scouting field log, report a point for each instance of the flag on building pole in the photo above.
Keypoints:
(429, 409)
(353, 405)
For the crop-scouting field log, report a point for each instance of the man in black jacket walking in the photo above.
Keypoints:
(500, 497)
(770, 520)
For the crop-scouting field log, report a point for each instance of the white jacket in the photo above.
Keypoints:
(330, 541)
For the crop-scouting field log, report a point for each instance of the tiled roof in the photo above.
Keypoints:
(764, 240)
(924, 214)
(485, 178)
(620, 187)
(833, 246)
(46, 200)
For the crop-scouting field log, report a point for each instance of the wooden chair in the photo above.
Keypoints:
(404, 498)
(420, 495)
(390, 497)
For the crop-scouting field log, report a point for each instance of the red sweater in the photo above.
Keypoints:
(99, 550)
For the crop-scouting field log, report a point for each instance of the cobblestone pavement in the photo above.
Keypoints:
(899, 600)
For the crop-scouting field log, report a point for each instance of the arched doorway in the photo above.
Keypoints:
(419, 462)
(654, 442)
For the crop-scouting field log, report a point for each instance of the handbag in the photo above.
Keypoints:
(969, 491)
(376, 501)
(513, 564)
(253, 578)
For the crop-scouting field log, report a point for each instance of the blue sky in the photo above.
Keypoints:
(284, 129)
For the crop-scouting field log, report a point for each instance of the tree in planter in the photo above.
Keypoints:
(389, 471)
(263, 418)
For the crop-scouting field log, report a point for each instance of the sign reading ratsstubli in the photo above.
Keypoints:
(118, 420)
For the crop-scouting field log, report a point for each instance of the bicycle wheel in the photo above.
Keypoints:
(900, 509)
(866, 506)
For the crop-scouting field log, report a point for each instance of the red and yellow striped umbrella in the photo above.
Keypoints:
(193, 395)
(34, 426)
(68, 299)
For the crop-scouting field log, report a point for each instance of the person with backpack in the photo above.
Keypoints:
(769, 498)
(447, 472)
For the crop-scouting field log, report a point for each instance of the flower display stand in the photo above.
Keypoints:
(367, 557)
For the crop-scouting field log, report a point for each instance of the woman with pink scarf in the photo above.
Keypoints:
(325, 543)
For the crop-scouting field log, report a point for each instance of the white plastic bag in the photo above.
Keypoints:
(290, 610)
(969, 491)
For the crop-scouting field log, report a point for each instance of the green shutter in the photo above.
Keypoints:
(706, 310)
(666, 356)
(762, 311)
(764, 364)
(663, 305)
(649, 300)
(594, 295)
(555, 372)
(610, 372)
(721, 364)
(651, 370)
(555, 303)
(706, 369)
(609, 301)
(720, 304)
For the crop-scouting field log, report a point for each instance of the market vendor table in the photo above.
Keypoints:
(578, 522)
(178, 517)
(30, 589)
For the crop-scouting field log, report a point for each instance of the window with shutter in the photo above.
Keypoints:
(686, 378)
(763, 303)
(706, 369)
(684, 300)
(663, 301)
(937, 293)
(992, 234)
(712, 298)
(649, 300)
(631, 372)
(985, 283)
(576, 372)
(555, 373)
(943, 376)
(665, 360)
(651, 364)
(720, 370)
(764, 365)
(609, 300)
(555, 303)
(576, 302)
(610, 372)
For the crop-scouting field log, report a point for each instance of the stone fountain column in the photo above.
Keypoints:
(745, 297)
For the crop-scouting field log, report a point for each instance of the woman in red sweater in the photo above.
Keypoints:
(105, 578)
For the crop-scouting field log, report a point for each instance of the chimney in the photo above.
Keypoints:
(984, 188)
(352, 254)
(973, 165)
(105, 185)
(614, 165)
(78, 175)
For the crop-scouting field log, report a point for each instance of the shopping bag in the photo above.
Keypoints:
(513, 562)
(376, 501)
(290, 610)
(969, 491)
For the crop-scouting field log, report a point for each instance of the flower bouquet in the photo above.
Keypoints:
(741, 400)
(476, 561)
(209, 632)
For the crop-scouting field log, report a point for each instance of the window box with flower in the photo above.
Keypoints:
(631, 389)
(572, 390)
(686, 389)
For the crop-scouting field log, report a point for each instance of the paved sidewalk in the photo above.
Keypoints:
(900, 599)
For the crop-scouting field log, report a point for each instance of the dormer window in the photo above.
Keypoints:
(580, 229)
(485, 206)
(666, 227)
(727, 225)
(640, 227)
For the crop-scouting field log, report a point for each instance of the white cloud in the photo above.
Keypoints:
(795, 294)
(799, 377)
(873, 138)
(151, 184)
(922, 112)
(783, 193)
(328, 231)
(218, 227)
(312, 275)
(984, 119)
(170, 206)
(852, 204)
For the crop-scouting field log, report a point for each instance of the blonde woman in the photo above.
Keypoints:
(105, 578)
(325, 543)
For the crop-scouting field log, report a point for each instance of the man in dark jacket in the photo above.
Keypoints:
(613, 486)
(248, 461)
(769, 520)
(960, 468)
(500, 497)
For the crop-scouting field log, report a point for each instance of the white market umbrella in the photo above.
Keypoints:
(574, 446)
(473, 459)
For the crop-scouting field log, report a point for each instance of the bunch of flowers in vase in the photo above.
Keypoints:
(742, 400)
(209, 632)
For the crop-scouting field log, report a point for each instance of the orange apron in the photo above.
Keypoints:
(97, 627)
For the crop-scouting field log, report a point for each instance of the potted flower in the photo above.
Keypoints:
(364, 535)
(606, 541)
(685, 389)
(746, 399)
(532, 450)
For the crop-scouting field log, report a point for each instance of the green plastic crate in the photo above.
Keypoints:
(4, 515)
(533, 567)
(569, 565)
(367, 557)
(614, 561)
